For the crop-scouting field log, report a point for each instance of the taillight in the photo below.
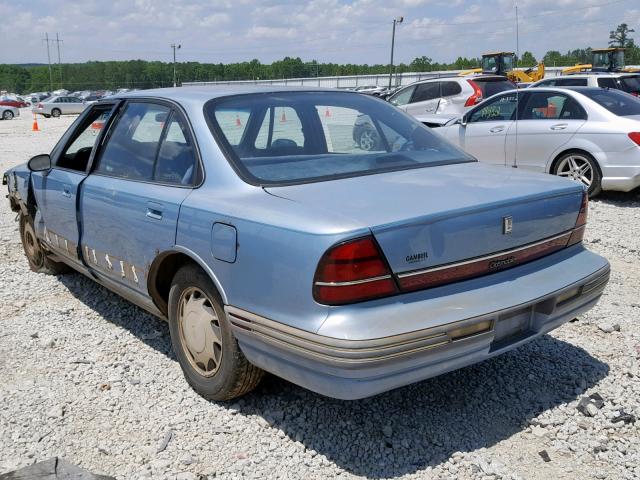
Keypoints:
(635, 137)
(352, 271)
(581, 222)
(477, 95)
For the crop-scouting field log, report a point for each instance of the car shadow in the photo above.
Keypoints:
(620, 199)
(408, 429)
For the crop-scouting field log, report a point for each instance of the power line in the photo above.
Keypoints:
(46, 39)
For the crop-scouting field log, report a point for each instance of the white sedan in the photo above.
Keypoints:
(590, 135)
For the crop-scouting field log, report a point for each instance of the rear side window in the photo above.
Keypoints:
(607, 83)
(571, 82)
(131, 149)
(176, 161)
(617, 102)
(426, 91)
(491, 87)
(448, 89)
(631, 84)
(552, 106)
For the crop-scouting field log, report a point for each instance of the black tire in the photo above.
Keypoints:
(7, 115)
(234, 376)
(55, 113)
(368, 139)
(39, 260)
(562, 168)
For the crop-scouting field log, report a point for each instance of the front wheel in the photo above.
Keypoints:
(55, 113)
(368, 139)
(7, 115)
(582, 168)
(38, 258)
(205, 347)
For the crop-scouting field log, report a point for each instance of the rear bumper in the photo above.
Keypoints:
(345, 368)
(621, 171)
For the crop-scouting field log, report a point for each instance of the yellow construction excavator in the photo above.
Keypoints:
(502, 63)
(603, 60)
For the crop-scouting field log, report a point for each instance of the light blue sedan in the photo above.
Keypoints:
(254, 223)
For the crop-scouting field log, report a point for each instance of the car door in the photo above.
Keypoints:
(56, 190)
(547, 121)
(75, 105)
(425, 99)
(486, 127)
(131, 200)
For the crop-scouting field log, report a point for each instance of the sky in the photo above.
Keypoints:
(340, 31)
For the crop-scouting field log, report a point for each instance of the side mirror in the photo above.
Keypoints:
(39, 163)
(463, 120)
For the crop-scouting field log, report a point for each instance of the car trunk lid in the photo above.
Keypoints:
(429, 217)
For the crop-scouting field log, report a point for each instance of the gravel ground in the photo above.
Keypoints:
(88, 377)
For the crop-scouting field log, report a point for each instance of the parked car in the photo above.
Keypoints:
(627, 82)
(248, 218)
(56, 106)
(17, 102)
(448, 95)
(588, 134)
(7, 112)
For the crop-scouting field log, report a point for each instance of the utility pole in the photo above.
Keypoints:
(175, 47)
(58, 41)
(517, 38)
(393, 39)
(46, 39)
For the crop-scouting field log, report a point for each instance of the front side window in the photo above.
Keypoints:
(331, 135)
(403, 96)
(133, 144)
(76, 155)
(631, 84)
(499, 109)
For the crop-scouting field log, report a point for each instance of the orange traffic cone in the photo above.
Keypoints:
(238, 122)
(34, 127)
(283, 118)
(327, 112)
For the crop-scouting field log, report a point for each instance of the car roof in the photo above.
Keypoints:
(208, 92)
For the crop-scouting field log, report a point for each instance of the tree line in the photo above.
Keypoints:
(142, 74)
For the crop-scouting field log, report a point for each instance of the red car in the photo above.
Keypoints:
(14, 102)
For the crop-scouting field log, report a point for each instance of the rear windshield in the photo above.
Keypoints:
(490, 87)
(617, 102)
(631, 84)
(296, 137)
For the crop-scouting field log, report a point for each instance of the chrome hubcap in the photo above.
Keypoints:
(200, 333)
(367, 140)
(577, 168)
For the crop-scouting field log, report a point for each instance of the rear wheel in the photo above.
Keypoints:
(582, 168)
(368, 139)
(39, 260)
(55, 112)
(207, 351)
(7, 115)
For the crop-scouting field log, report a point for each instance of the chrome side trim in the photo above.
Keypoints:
(486, 257)
(353, 282)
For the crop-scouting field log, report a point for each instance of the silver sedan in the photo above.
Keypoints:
(59, 105)
(7, 112)
(588, 134)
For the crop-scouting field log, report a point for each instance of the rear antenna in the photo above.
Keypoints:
(515, 153)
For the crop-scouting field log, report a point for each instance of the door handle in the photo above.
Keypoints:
(155, 214)
(559, 126)
(66, 191)
(497, 129)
